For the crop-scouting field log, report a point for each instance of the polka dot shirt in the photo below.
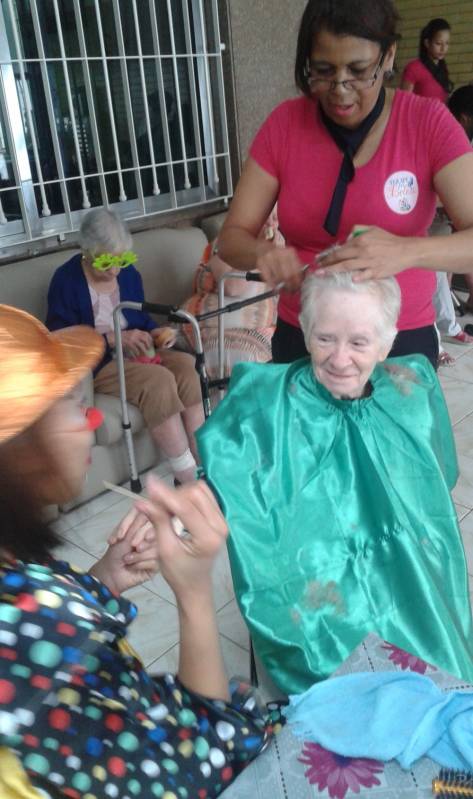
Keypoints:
(81, 713)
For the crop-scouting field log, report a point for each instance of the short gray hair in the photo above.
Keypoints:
(103, 231)
(386, 290)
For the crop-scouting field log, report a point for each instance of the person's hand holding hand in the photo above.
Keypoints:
(136, 342)
(280, 265)
(164, 337)
(371, 251)
(132, 556)
(185, 563)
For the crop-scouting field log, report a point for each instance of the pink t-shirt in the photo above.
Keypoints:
(424, 82)
(394, 190)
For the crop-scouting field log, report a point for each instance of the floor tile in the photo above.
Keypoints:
(462, 369)
(463, 432)
(92, 508)
(92, 533)
(156, 628)
(232, 626)
(236, 660)
(463, 491)
(466, 527)
(459, 397)
(461, 511)
(74, 555)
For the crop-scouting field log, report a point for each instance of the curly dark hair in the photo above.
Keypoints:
(376, 20)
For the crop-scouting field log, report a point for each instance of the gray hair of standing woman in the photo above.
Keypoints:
(103, 231)
(387, 292)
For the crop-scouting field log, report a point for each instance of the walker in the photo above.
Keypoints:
(174, 314)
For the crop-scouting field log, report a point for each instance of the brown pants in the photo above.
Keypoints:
(158, 390)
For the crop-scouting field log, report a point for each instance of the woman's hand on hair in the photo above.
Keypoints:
(185, 562)
(280, 265)
(371, 251)
(136, 342)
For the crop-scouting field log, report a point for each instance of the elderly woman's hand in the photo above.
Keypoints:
(185, 562)
(136, 342)
(373, 252)
(132, 557)
(281, 265)
(164, 337)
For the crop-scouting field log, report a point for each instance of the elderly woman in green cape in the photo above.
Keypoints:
(335, 474)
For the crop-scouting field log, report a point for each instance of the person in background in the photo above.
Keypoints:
(428, 74)
(349, 157)
(162, 383)
(79, 715)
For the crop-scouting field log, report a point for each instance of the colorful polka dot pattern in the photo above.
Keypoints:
(81, 713)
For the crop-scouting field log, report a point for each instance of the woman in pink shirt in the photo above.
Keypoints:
(428, 74)
(349, 153)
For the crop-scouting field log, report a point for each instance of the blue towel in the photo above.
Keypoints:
(387, 716)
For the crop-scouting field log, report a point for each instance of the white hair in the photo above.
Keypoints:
(385, 290)
(103, 231)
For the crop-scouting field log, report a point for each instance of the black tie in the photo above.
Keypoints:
(348, 141)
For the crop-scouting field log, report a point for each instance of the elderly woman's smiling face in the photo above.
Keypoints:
(345, 342)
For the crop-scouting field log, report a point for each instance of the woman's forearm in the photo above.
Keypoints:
(240, 249)
(443, 253)
(201, 667)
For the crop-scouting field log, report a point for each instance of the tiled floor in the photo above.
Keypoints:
(155, 632)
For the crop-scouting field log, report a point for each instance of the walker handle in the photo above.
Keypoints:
(157, 308)
(254, 276)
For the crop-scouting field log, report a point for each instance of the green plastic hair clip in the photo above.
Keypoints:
(107, 260)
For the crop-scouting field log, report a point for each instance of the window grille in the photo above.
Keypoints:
(108, 102)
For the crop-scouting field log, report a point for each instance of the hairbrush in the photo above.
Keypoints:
(451, 784)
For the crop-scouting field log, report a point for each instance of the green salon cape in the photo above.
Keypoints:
(340, 515)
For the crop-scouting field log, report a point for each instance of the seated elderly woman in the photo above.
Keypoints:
(79, 715)
(163, 383)
(334, 474)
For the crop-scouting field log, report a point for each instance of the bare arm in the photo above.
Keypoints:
(454, 186)
(239, 245)
(255, 196)
(186, 564)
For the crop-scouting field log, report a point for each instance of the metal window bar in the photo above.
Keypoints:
(128, 105)
(32, 221)
(192, 81)
(162, 101)
(122, 195)
(221, 95)
(187, 183)
(46, 211)
(156, 189)
(70, 103)
(51, 115)
(90, 101)
(203, 67)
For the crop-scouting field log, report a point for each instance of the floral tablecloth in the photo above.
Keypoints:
(291, 769)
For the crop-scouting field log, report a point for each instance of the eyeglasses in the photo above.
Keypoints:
(107, 260)
(362, 82)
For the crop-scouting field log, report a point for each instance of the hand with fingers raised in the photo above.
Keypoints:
(132, 555)
(185, 561)
(371, 252)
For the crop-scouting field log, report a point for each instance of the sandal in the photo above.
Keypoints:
(461, 338)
